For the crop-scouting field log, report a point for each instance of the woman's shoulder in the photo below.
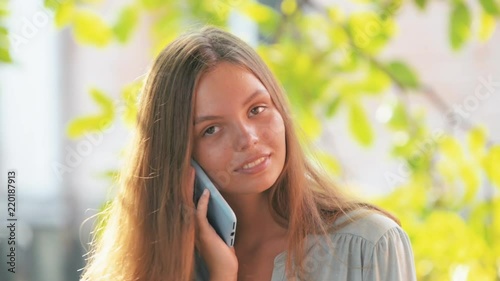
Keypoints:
(367, 225)
(362, 245)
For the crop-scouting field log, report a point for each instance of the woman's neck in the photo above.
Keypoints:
(255, 224)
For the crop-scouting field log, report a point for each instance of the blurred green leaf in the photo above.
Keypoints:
(490, 6)
(377, 81)
(333, 106)
(91, 29)
(258, 12)
(492, 165)
(54, 4)
(152, 4)
(476, 139)
(359, 124)
(329, 162)
(350, 88)
(5, 55)
(494, 224)
(471, 179)
(267, 18)
(338, 36)
(165, 29)
(4, 38)
(447, 170)
(487, 27)
(4, 8)
(129, 94)
(421, 4)
(288, 7)
(310, 125)
(452, 149)
(480, 217)
(399, 119)
(93, 2)
(218, 10)
(403, 74)
(111, 175)
(93, 123)
(369, 32)
(5, 42)
(335, 14)
(127, 21)
(460, 23)
(4, 45)
(65, 14)
(485, 219)
(436, 238)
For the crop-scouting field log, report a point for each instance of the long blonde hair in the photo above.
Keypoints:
(149, 229)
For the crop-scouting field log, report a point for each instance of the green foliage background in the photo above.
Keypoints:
(329, 60)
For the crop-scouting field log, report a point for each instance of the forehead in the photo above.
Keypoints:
(225, 84)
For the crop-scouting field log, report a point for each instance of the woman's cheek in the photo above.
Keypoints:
(274, 129)
(222, 179)
(221, 159)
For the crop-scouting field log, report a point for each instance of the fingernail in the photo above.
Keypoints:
(205, 192)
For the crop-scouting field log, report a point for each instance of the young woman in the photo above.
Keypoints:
(210, 97)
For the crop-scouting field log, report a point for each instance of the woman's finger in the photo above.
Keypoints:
(201, 210)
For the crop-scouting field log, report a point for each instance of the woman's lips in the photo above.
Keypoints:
(255, 166)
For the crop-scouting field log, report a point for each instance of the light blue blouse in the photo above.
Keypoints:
(372, 247)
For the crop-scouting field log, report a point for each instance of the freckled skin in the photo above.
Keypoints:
(243, 129)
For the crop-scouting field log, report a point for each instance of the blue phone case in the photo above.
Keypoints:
(219, 213)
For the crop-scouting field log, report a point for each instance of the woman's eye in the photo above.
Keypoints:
(210, 131)
(256, 110)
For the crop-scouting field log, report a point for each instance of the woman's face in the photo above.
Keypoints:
(239, 135)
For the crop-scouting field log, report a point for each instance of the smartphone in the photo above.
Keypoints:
(219, 213)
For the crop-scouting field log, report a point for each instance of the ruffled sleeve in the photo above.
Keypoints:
(391, 259)
(371, 248)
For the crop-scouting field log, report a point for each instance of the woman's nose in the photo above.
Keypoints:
(246, 136)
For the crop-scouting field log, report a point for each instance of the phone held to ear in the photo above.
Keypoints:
(219, 213)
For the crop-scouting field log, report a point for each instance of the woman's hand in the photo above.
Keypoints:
(219, 258)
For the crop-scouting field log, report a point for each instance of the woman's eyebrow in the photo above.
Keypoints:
(255, 94)
(205, 118)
